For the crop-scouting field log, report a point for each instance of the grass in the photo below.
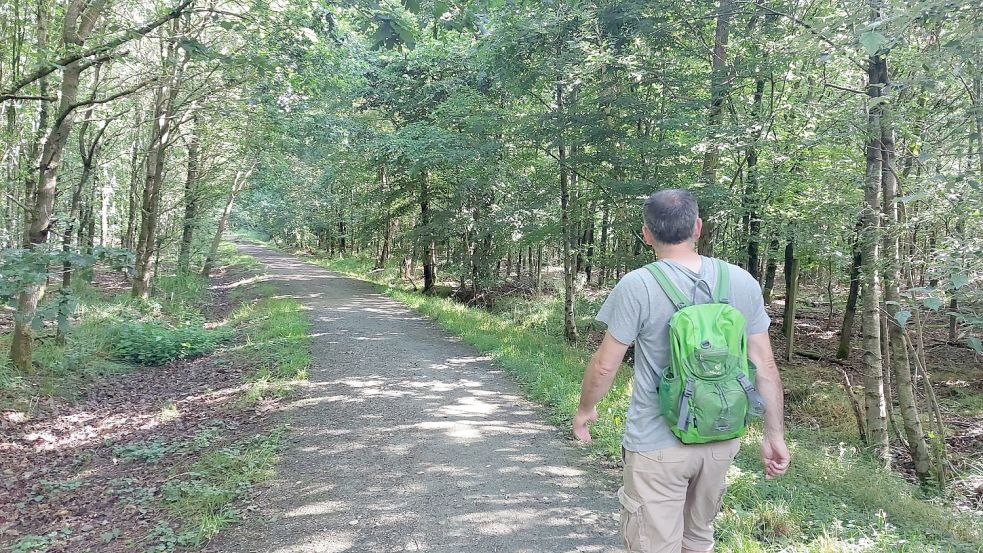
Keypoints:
(204, 498)
(832, 499)
(276, 343)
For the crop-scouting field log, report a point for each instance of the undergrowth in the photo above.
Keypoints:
(203, 500)
(210, 472)
(110, 334)
(832, 499)
(276, 345)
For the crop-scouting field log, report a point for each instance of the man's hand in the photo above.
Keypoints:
(580, 420)
(775, 456)
(597, 381)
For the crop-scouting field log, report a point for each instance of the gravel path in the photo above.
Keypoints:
(406, 439)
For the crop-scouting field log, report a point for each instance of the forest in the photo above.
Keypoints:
(485, 162)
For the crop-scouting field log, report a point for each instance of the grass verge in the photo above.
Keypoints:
(274, 343)
(833, 499)
(204, 499)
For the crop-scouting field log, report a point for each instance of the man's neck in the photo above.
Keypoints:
(685, 254)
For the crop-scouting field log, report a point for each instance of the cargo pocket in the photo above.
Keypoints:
(723, 454)
(726, 451)
(631, 523)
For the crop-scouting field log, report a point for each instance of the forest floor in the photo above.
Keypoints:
(128, 458)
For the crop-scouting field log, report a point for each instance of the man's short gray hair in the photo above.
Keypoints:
(671, 215)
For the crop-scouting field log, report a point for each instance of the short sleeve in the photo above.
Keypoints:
(622, 310)
(757, 317)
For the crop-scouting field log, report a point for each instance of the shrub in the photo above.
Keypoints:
(154, 344)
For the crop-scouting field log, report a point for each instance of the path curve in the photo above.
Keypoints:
(407, 439)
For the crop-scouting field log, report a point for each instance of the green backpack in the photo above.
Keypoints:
(707, 392)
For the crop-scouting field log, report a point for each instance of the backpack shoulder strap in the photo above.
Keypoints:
(675, 295)
(722, 293)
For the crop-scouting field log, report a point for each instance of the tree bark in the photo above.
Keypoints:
(569, 256)
(238, 184)
(718, 92)
(429, 247)
(874, 402)
(156, 151)
(751, 191)
(190, 198)
(770, 269)
(791, 293)
(899, 361)
(850, 312)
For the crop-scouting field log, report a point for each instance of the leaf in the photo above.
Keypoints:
(872, 41)
(440, 7)
(932, 303)
(975, 343)
(412, 5)
(902, 317)
(959, 280)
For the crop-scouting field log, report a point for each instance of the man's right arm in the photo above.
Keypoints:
(774, 452)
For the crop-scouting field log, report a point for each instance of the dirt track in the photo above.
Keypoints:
(406, 439)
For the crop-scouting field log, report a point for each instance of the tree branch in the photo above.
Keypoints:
(813, 31)
(95, 101)
(29, 97)
(140, 32)
(844, 88)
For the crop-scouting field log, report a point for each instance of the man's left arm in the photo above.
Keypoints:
(774, 452)
(598, 379)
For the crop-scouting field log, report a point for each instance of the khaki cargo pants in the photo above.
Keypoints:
(671, 496)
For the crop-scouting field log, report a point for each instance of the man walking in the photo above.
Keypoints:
(676, 460)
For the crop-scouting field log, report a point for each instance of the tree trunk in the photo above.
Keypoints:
(34, 148)
(238, 184)
(751, 191)
(791, 292)
(718, 92)
(770, 270)
(79, 20)
(190, 198)
(899, 361)
(874, 401)
(602, 275)
(429, 247)
(569, 256)
(850, 313)
(156, 151)
(391, 222)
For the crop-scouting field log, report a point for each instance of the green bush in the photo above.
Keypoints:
(154, 344)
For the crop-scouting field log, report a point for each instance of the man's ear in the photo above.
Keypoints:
(698, 229)
(647, 236)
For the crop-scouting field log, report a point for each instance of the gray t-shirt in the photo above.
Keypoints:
(638, 310)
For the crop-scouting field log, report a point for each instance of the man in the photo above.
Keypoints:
(672, 492)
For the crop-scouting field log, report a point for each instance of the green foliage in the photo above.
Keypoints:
(154, 344)
(204, 495)
(181, 295)
(277, 346)
(33, 543)
(148, 452)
